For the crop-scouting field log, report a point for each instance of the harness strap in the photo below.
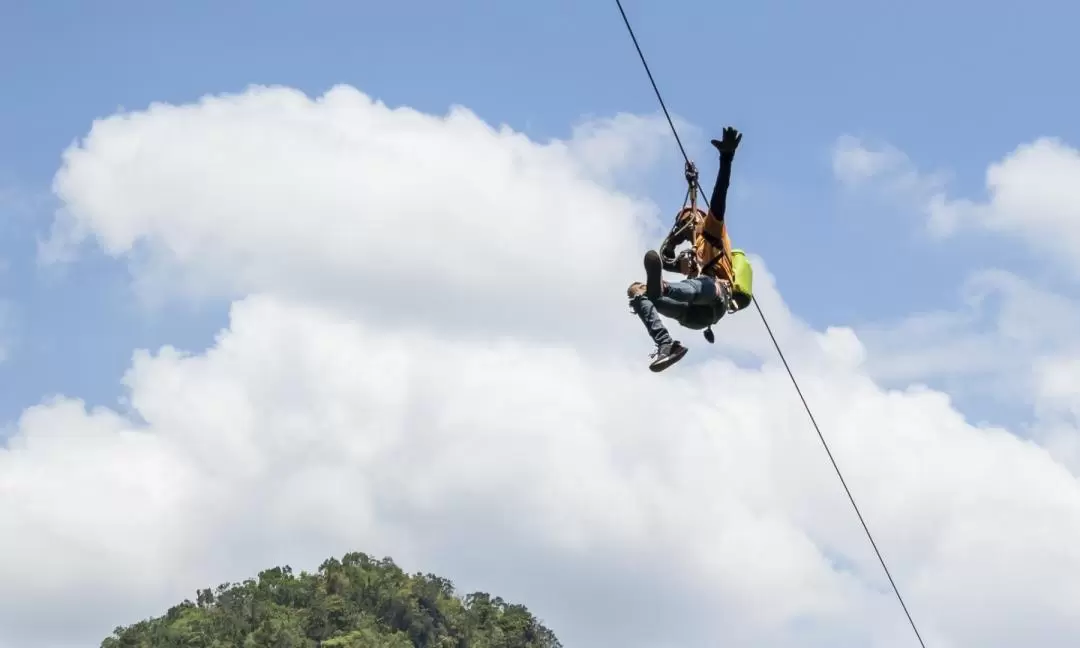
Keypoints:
(691, 184)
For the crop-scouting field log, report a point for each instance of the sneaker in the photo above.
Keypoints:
(654, 267)
(667, 355)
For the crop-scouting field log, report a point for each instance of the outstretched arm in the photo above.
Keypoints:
(718, 202)
(726, 146)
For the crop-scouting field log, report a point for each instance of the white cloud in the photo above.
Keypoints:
(1004, 321)
(1013, 344)
(1033, 195)
(484, 436)
(629, 144)
(1012, 340)
(303, 433)
(859, 165)
(854, 163)
(347, 200)
(1057, 406)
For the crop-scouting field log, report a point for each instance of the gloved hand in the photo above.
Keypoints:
(687, 264)
(730, 141)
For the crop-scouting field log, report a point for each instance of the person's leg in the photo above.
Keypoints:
(671, 308)
(668, 351)
(699, 290)
(696, 291)
(646, 311)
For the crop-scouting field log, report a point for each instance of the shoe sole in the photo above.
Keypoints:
(653, 269)
(657, 367)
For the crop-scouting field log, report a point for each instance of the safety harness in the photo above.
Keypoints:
(689, 226)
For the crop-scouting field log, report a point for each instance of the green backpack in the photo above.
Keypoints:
(742, 288)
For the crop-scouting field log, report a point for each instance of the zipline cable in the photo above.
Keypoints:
(674, 131)
(776, 344)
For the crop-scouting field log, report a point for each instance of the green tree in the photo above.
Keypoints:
(354, 602)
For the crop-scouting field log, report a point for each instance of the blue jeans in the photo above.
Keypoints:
(696, 303)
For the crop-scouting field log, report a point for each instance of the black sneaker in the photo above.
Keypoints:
(667, 355)
(654, 267)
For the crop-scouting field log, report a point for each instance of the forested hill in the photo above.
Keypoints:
(356, 602)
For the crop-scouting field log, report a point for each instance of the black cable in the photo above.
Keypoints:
(776, 344)
(837, 469)
(655, 89)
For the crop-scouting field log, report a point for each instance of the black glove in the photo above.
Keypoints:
(730, 141)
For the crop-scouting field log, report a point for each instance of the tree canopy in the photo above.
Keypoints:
(355, 602)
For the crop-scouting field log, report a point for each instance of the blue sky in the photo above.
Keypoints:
(326, 418)
(956, 85)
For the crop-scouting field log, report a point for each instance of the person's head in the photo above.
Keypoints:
(686, 223)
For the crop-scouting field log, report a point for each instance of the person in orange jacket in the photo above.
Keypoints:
(719, 279)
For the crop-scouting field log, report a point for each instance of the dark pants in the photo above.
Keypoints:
(694, 303)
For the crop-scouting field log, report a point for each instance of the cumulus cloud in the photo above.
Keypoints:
(1011, 343)
(1032, 192)
(1057, 427)
(614, 148)
(1003, 322)
(456, 413)
(303, 433)
(853, 162)
(1011, 340)
(1033, 197)
(860, 165)
(347, 200)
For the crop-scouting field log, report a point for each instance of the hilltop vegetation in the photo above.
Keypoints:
(356, 602)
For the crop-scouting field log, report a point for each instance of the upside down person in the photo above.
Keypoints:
(719, 279)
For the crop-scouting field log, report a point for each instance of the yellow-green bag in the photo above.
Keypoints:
(742, 279)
